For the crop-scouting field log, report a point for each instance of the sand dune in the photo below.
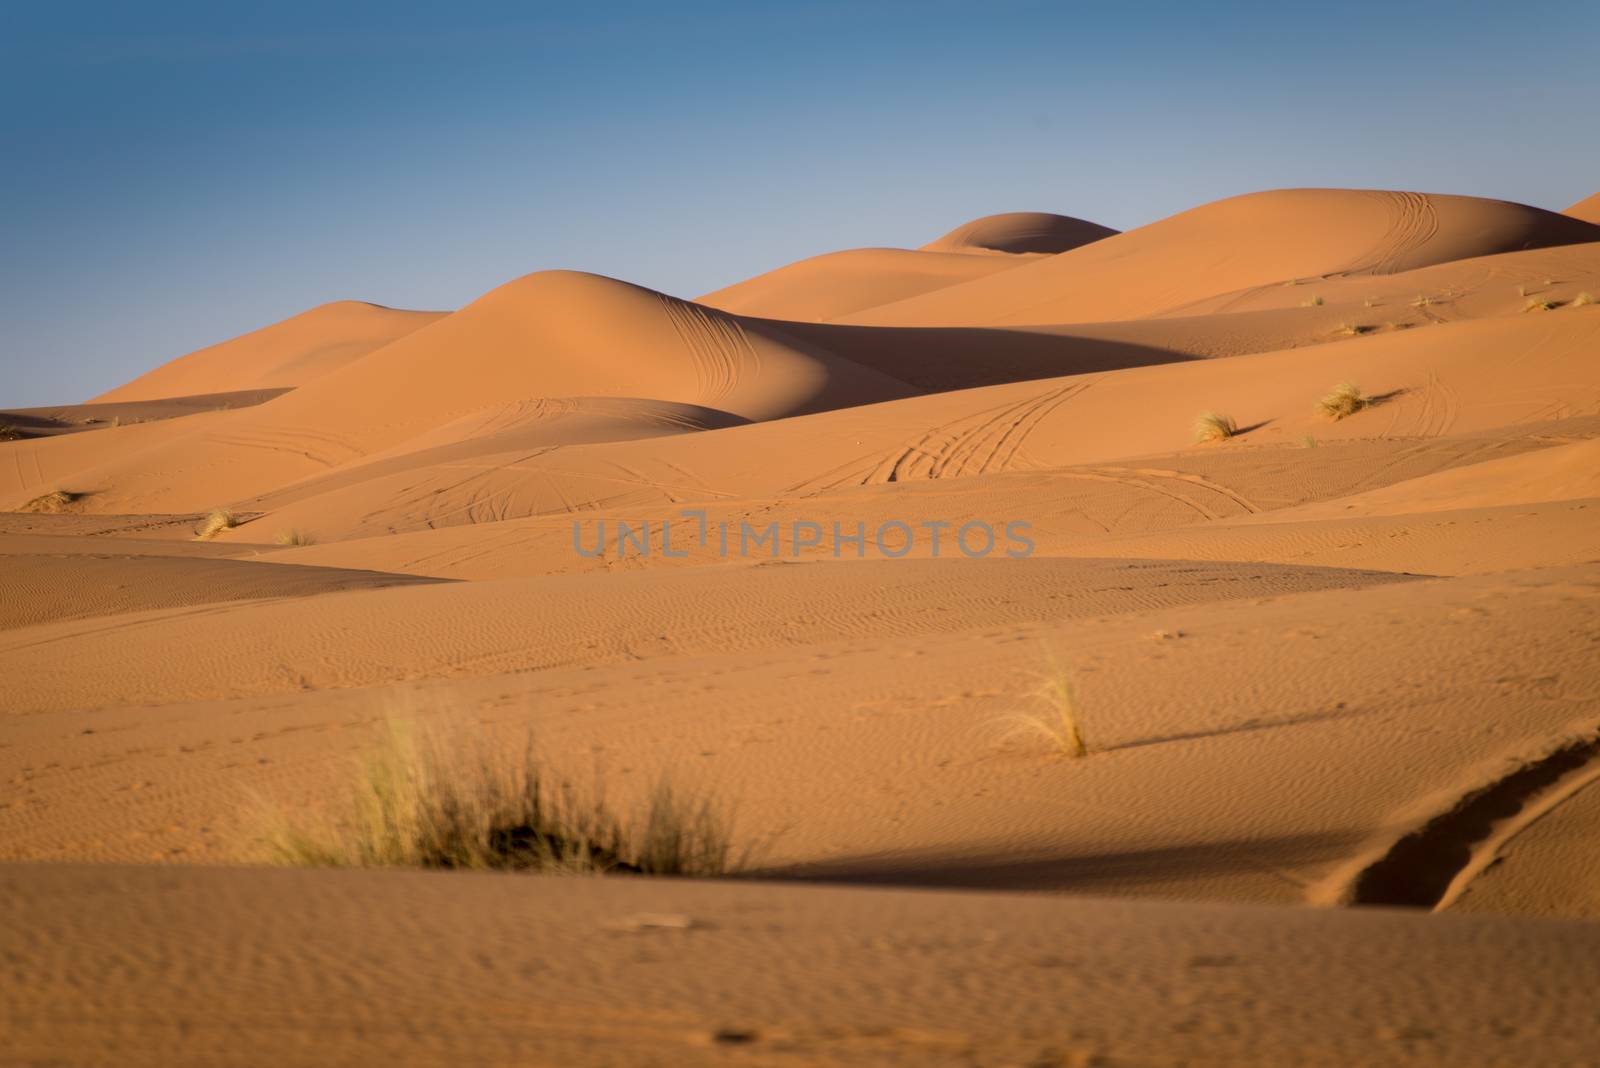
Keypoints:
(838, 283)
(551, 335)
(1262, 239)
(1019, 232)
(1445, 380)
(39, 588)
(1326, 661)
(529, 624)
(1587, 209)
(617, 973)
(283, 355)
(76, 418)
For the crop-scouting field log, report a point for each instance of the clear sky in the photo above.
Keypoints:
(178, 173)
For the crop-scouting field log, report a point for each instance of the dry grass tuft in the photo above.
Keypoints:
(1353, 329)
(1062, 725)
(1422, 301)
(428, 804)
(1536, 304)
(293, 537)
(1345, 400)
(1314, 302)
(9, 432)
(215, 524)
(1214, 427)
(1308, 442)
(50, 503)
(1583, 298)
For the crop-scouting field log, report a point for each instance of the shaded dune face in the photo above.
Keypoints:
(1020, 232)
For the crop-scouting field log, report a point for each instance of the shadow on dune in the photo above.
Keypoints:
(1246, 727)
(1148, 867)
(959, 357)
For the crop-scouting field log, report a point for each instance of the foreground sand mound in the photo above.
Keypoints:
(1255, 240)
(286, 354)
(1587, 209)
(1020, 232)
(232, 967)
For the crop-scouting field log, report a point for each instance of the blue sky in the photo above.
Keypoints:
(179, 173)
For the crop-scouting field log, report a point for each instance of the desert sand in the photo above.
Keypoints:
(1337, 674)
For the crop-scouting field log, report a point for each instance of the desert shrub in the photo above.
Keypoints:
(1345, 400)
(1214, 427)
(215, 523)
(433, 804)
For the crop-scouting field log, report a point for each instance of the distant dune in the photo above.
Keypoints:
(1020, 232)
(1260, 239)
(1587, 209)
(287, 354)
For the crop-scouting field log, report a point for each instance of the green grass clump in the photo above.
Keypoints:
(427, 804)
(1213, 426)
(1345, 400)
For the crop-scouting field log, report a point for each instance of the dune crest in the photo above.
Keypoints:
(1259, 239)
(290, 353)
(1020, 232)
(1587, 209)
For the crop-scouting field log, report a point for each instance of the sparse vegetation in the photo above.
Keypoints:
(1370, 302)
(1314, 302)
(293, 538)
(1308, 442)
(1422, 301)
(215, 523)
(1345, 400)
(1353, 329)
(51, 503)
(1213, 426)
(1522, 290)
(1583, 298)
(1537, 304)
(1061, 725)
(9, 432)
(429, 804)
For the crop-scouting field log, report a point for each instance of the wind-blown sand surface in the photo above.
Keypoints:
(1333, 663)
